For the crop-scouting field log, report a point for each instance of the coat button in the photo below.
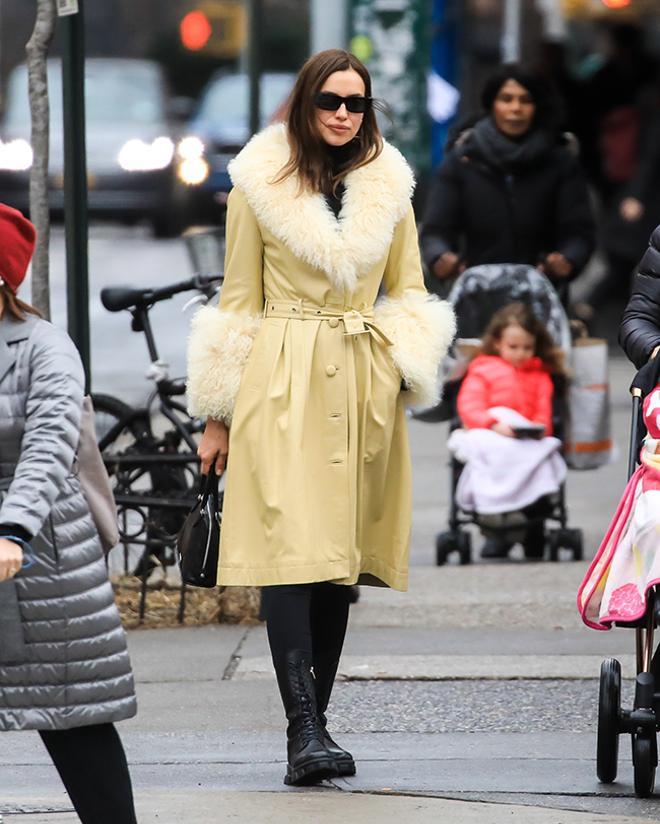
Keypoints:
(330, 371)
(334, 322)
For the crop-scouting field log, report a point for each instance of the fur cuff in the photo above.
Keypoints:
(218, 348)
(421, 328)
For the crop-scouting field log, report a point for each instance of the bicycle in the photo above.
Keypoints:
(154, 471)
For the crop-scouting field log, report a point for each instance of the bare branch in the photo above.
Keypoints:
(37, 53)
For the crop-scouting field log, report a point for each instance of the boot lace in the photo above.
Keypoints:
(309, 723)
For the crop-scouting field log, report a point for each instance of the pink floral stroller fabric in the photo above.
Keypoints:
(627, 563)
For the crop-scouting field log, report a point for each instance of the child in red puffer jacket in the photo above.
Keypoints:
(511, 375)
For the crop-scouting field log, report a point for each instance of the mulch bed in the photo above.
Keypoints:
(231, 605)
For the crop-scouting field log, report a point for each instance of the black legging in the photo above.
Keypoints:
(307, 617)
(92, 765)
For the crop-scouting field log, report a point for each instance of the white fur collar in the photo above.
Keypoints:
(376, 198)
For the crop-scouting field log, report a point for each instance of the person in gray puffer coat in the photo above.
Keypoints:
(64, 665)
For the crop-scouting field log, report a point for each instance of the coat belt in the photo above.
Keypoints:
(356, 322)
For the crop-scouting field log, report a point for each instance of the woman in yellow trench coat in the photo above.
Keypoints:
(304, 374)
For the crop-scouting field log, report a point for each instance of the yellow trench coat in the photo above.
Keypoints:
(308, 373)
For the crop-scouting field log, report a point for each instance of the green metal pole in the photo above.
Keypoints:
(75, 184)
(255, 15)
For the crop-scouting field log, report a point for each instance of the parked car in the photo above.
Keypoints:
(219, 129)
(131, 145)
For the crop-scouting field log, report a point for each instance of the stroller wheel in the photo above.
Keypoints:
(464, 548)
(445, 544)
(450, 541)
(577, 544)
(534, 543)
(554, 542)
(609, 707)
(572, 540)
(565, 538)
(645, 759)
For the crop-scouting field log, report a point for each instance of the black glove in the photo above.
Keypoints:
(648, 377)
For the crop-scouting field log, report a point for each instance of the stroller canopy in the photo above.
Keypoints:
(480, 291)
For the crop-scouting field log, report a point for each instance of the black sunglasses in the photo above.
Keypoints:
(331, 102)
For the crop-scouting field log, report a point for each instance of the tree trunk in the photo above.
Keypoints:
(37, 53)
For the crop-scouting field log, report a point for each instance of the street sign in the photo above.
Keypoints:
(66, 7)
(392, 38)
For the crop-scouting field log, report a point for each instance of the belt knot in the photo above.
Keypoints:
(355, 321)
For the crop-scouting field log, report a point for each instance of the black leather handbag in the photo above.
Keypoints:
(198, 542)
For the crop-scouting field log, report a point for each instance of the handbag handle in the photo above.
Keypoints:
(209, 487)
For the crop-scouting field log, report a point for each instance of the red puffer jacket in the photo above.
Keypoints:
(491, 381)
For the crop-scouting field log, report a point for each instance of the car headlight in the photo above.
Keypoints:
(193, 168)
(190, 147)
(15, 155)
(137, 156)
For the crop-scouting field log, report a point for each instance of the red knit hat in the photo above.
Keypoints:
(17, 239)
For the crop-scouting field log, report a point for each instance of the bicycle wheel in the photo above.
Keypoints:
(129, 447)
(117, 423)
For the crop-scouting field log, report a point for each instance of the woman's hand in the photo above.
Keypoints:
(503, 429)
(11, 559)
(446, 265)
(557, 265)
(214, 446)
(631, 209)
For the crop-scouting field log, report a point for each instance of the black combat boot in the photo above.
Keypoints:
(325, 670)
(309, 760)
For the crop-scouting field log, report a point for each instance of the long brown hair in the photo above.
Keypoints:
(518, 314)
(14, 306)
(308, 157)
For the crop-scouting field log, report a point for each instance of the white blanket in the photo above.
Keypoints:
(504, 474)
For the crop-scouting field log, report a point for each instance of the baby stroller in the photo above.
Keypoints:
(643, 720)
(477, 294)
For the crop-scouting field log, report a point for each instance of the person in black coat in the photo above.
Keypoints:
(510, 190)
(639, 337)
(639, 334)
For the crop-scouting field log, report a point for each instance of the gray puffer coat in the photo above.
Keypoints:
(63, 657)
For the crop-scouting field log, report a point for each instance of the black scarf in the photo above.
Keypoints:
(501, 152)
(339, 157)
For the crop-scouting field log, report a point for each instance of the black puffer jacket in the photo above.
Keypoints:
(490, 213)
(640, 326)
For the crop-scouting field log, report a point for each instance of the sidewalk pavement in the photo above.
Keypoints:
(427, 720)
(470, 698)
(328, 807)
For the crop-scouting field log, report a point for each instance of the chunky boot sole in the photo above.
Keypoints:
(315, 770)
(346, 766)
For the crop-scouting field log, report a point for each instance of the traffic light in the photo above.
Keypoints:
(195, 30)
(214, 28)
(607, 9)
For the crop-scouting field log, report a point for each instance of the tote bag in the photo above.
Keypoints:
(94, 480)
(588, 442)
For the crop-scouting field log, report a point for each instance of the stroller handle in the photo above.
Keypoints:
(634, 430)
